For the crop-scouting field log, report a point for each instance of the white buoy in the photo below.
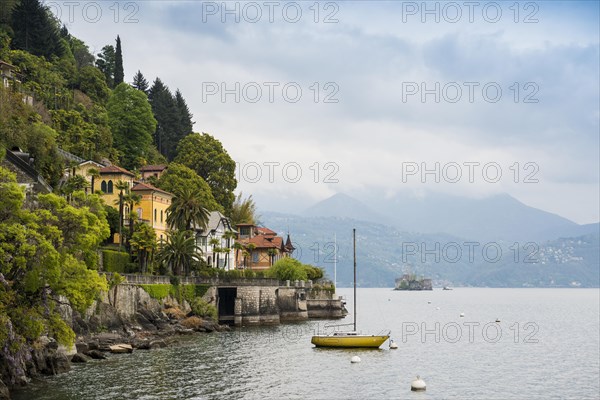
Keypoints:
(462, 314)
(418, 385)
(355, 359)
(437, 308)
(393, 345)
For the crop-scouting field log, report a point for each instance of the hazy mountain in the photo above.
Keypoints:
(385, 252)
(500, 217)
(342, 205)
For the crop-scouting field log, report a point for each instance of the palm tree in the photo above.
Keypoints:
(214, 242)
(144, 242)
(73, 184)
(228, 236)
(237, 246)
(186, 210)
(122, 186)
(250, 248)
(93, 173)
(179, 251)
(132, 199)
(272, 253)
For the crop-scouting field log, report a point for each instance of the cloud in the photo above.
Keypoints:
(368, 58)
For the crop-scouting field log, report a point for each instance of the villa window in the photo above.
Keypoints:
(139, 211)
(110, 187)
(255, 256)
(103, 186)
(161, 216)
(155, 213)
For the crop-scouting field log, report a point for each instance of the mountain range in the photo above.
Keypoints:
(497, 242)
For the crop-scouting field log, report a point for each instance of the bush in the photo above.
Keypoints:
(288, 269)
(115, 261)
(313, 273)
(157, 291)
(202, 309)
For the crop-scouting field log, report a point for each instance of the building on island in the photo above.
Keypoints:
(411, 282)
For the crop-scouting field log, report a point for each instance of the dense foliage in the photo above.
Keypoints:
(178, 176)
(207, 156)
(291, 269)
(46, 251)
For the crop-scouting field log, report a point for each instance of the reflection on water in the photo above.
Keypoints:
(547, 340)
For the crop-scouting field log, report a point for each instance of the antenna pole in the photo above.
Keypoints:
(354, 250)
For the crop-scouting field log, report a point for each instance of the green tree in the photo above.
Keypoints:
(238, 247)
(243, 211)
(184, 116)
(132, 123)
(165, 111)
(123, 188)
(140, 83)
(93, 83)
(272, 253)
(132, 199)
(186, 210)
(214, 242)
(143, 242)
(106, 64)
(35, 30)
(112, 216)
(119, 73)
(178, 176)
(179, 252)
(288, 269)
(94, 174)
(81, 53)
(206, 155)
(44, 252)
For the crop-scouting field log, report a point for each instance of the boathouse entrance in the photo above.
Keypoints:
(226, 308)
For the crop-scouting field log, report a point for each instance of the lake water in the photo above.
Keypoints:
(545, 346)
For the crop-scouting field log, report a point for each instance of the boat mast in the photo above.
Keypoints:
(354, 250)
(334, 261)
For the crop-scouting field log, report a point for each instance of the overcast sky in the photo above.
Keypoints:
(361, 97)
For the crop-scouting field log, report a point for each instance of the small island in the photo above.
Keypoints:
(411, 282)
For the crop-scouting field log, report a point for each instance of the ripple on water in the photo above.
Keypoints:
(279, 362)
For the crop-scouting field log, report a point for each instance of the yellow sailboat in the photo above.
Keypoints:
(351, 339)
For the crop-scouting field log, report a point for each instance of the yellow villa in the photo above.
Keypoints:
(152, 208)
(107, 183)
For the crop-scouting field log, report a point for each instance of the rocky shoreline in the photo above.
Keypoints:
(103, 330)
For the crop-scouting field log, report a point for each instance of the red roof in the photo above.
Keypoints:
(265, 231)
(145, 186)
(160, 167)
(264, 242)
(113, 169)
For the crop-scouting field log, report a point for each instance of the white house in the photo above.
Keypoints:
(216, 243)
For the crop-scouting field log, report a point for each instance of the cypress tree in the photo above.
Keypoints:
(119, 73)
(140, 83)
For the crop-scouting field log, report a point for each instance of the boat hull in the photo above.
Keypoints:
(355, 341)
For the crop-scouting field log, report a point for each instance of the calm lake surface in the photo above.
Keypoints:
(545, 346)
